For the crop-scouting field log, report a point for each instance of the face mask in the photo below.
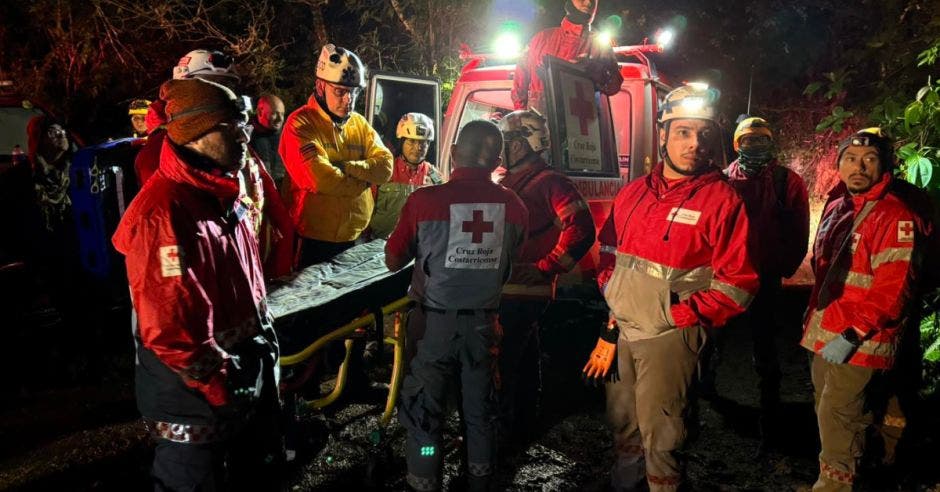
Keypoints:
(575, 16)
(753, 158)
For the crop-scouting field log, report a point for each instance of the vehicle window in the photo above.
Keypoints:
(621, 108)
(395, 98)
(13, 121)
(485, 104)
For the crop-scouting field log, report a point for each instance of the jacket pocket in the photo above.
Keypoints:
(639, 301)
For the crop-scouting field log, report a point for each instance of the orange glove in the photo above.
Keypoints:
(603, 358)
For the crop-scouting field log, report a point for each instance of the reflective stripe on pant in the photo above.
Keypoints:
(840, 394)
(520, 371)
(453, 345)
(646, 408)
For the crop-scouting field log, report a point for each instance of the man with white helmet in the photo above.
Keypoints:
(674, 262)
(415, 133)
(213, 66)
(561, 231)
(269, 218)
(333, 156)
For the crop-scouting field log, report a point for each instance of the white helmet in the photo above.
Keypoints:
(203, 62)
(525, 124)
(415, 126)
(341, 66)
(690, 101)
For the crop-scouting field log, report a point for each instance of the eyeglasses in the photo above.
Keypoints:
(56, 132)
(341, 91)
(245, 129)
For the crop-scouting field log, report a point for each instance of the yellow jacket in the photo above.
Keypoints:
(326, 203)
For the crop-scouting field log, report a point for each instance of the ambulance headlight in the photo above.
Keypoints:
(507, 46)
(665, 37)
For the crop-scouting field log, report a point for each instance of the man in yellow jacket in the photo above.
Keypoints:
(333, 156)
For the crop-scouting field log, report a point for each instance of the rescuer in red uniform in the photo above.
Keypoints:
(674, 262)
(572, 41)
(865, 256)
(270, 219)
(206, 374)
(463, 237)
(561, 231)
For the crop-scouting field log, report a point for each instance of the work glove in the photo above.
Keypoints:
(601, 365)
(341, 165)
(839, 349)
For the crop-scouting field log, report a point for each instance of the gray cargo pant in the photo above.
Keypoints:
(461, 343)
(647, 407)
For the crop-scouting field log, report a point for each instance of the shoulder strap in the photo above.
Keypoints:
(780, 184)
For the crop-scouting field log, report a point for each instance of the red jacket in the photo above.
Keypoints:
(568, 42)
(675, 256)
(561, 229)
(779, 225)
(194, 271)
(862, 260)
(275, 231)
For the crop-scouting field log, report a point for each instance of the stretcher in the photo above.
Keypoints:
(345, 298)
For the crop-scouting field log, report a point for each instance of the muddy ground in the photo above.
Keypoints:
(73, 425)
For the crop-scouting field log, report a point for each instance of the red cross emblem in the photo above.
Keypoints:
(477, 227)
(905, 231)
(582, 107)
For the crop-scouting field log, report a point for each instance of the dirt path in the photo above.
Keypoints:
(89, 439)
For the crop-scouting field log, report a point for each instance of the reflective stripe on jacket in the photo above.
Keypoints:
(463, 236)
(862, 260)
(194, 272)
(675, 256)
(328, 204)
(561, 229)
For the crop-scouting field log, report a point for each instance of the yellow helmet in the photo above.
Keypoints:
(138, 107)
(751, 126)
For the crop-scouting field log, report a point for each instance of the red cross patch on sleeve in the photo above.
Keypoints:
(905, 231)
(170, 265)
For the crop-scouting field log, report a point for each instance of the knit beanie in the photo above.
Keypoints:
(195, 106)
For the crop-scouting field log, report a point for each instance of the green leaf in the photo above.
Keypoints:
(812, 88)
(914, 113)
(837, 126)
(923, 91)
(919, 170)
(907, 150)
(825, 123)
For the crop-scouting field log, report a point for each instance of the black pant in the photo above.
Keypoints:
(759, 319)
(520, 368)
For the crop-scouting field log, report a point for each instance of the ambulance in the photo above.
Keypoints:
(600, 142)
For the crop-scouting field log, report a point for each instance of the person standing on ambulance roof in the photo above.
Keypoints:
(463, 236)
(778, 211)
(207, 373)
(573, 41)
(561, 231)
(866, 259)
(333, 156)
(415, 133)
(674, 262)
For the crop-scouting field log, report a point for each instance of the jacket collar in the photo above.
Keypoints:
(173, 166)
(876, 192)
(471, 174)
(571, 28)
(684, 187)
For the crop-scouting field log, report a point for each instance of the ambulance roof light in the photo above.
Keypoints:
(665, 37)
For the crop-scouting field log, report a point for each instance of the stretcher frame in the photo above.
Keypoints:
(400, 307)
